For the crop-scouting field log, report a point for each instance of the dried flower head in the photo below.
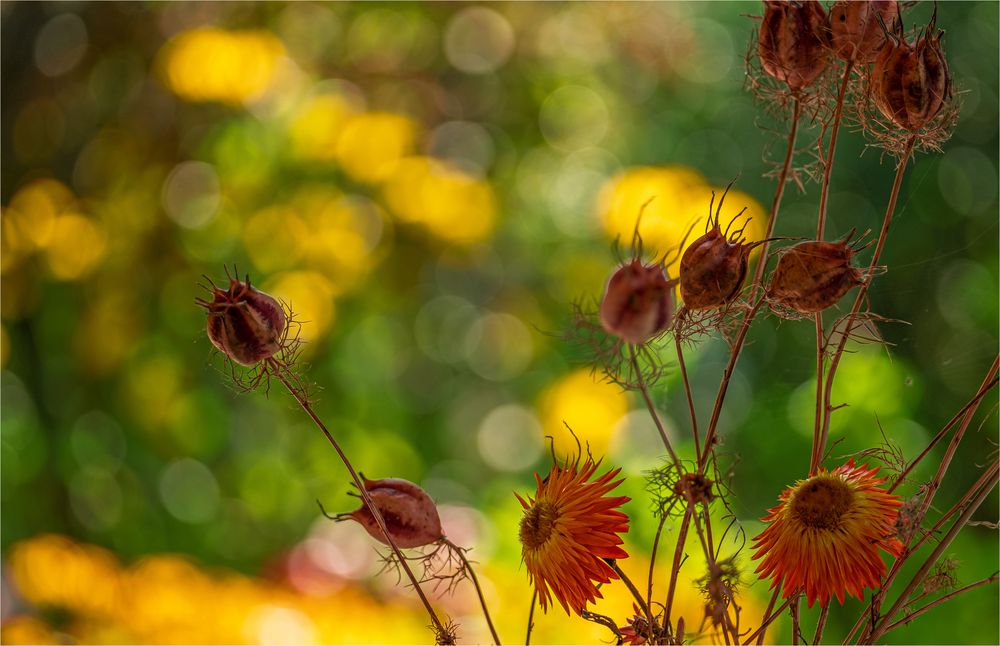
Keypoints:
(911, 82)
(244, 323)
(824, 536)
(793, 42)
(568, 530)
(813, 275)
(409, 513)
(638, 302)
(855, 32)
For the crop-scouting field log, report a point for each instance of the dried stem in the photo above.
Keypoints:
(794, 611)
(652, 558)
(687, 392)
(475, 581)
(675, 567)
(937, 602)
(828, 162)
(817, 458)
(644, 389)
(531, 617)
(635, 594)
(821, 624)
(279, 371)
(759, 633)
(767, 617)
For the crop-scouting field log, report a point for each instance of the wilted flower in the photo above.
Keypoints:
(244, 323)
(824, 536)
(409, 513)
(793, 41)
(814, 275)
(638, 302)
(911, 83)
(855, 32)
(568, 530)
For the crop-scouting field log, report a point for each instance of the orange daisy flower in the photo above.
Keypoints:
(568, 528)
(825, 534)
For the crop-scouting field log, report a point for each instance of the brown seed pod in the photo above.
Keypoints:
(409, 513)
(911, 82)
(638, 302)
(812, 276)
(794, 40)
(714, 266)
(855, 32)
(244, 323)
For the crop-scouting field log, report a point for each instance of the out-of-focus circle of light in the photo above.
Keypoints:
(575, 188)
(310, 296)
(635, 438)
(189, 491)
(573, 37)
(317, 124)
(343, 549)
(478, 40)
(371, 145)
(272, 625)
(95, 498)
(77, 245)
(585, 403)
(510, 438)
(33, 211)
(191, 194)
(968, 180)
(468, 526)
(274, 238)
(60, 44)
(439, 322)
(498, 346)
(573, 117)
(464, 144)
(714, 56)
(97, 440)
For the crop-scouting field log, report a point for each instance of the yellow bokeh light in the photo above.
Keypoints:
(274, 238)
(677, 202)
(588, 405)
(451, 204)
(343, 234)
(371, 145)
(34, 208)
(23, 629)
(316, 126)
(310, 296)
(76, 246)
(210, 64)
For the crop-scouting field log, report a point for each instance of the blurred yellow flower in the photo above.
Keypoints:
(371, 145)
(588, 405)
(316, 126)
(310, 296)
(209, 64)
(76, 246)
(23, 629)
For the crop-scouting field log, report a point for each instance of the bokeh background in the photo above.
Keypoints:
(430, 186)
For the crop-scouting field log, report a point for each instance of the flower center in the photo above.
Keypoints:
(537, 524)
(822, 501)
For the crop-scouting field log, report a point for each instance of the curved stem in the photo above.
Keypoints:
(937, 602)
(475, 581)
(687, 393)
(644, 389)
(652, 557)
(635, 594)
(860, 298)
(764, 618)
(279, 371)
(531, 616)
(675, 566)
(828, 162)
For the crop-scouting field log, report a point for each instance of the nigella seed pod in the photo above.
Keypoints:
(911, 82)
(714, 266)
(409, 513)
(793, 42)
(812, 276)
(244, 323)
(855, 32)
(638, 302)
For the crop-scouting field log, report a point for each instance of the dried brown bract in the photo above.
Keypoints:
(409, 513)
(793, 42)
(855, 31)
(244, 323)
(812, 276)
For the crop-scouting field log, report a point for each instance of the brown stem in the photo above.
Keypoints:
(687, 393)
(816, 458)
(475, 581)
(828, 162)
(635, 595)
(937, 602)
(531, 616)
(862, 292)
(767, 613)
(759, 633)
(675, 567)
(652, 409)
(279, 370)
(821, 624)
(796, 629)
(652, 557)
(957, 507)
(881, 625)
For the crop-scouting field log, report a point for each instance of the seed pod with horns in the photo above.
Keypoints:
(794, 41)
(812, 276)
(855, 29)
(244, 323)
(409, 513)
(911, 82)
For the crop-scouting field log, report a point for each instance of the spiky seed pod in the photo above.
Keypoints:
(638, 302)
(409, 513)
(855, 32)
(911, 82)
(794, 40)
(244, 323)
(812, 276)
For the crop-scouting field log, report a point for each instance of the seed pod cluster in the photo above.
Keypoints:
(409, 513)
(244, 323)
(794, 41)
(714, 266)
(638, 302)
(855, 32)
(911, 82)
(812, 276)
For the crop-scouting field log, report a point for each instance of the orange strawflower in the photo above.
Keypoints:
(825, 534)
(567, 531)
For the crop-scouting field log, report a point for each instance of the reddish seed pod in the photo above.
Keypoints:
(244, 323)
(714, 266)
(409, 513)
(793, 42)
(855, 32)
(812, 276)
(911, 82)
(638, 302)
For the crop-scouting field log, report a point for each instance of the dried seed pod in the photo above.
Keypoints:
(793, 42)
(855, 32)
(911, 82)
(244, 323)
(714, 266)
(812, 276)
(409, 513)
(638, 302)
